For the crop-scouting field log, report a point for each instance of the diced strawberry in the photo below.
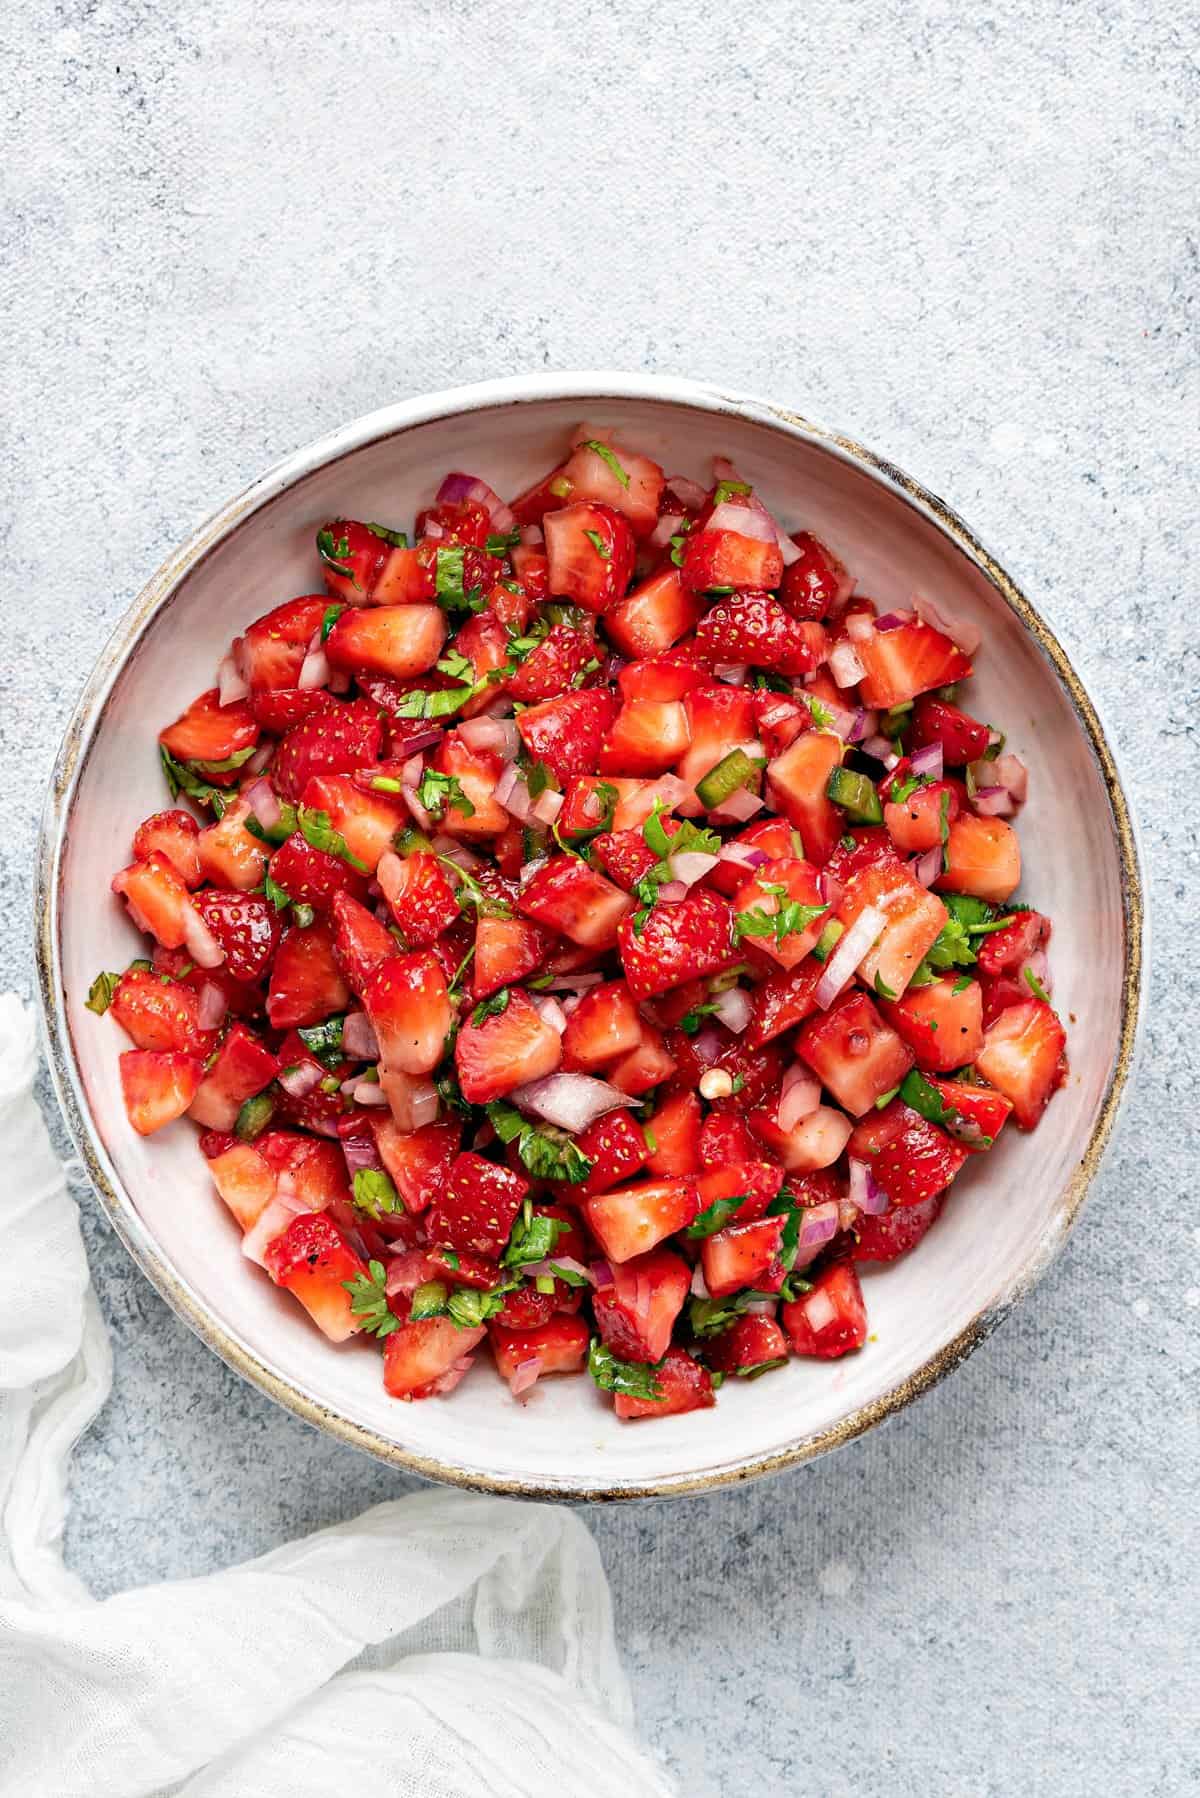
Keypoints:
(466, 521)
(647, 737)
(654, 616)
(314, 1172)
(312, 876)
(306, 984)
(156, 1013)
(963, 738)
(616, 1147)
(780, 720)
(590, 550)
(720, 718)
(458, 1266)
(756, 1073)
(427, 1358)
(645, 1066)
(724, 558)
(635, 491)
(830, 1320)
(361, 945)
(545, 495)
(980, 1112)
(369, 822)
(751, 1344)
(741, 1255)
(782, 1001)
(245, 1180)
(408, 577)
(282, 709)
(628, 1221)
(524, 1309)
(328, 742)
(243, 1001)
(917, 823)
(982, 856)
(755, 1181)
(860, 848)
(636, 1314)
(507, 950)
(312, 1260)
(603, 1026)
(173, 835)
(725, 1139)
(209, 732)
(914, 918)
(566, 733)
(419, 896)
(754, 628)
(904, 662)
(1006, 951)
(674, 1130)
(505, 1051)
(158, 901)
(230, 855)
(569, 897)
(683, 1386)
(477, 772)
(522, 1356)
(817, 583)
(476, 1208)
(418, 1160)
(408, 1003)
(353, 556)
(815, 1142)
(558, 664)
(247, 928)
(796, 785)
(157, 1085)
(907, 1155)
(774, 886)
(773, 837)
(625, 854)
(893, 1233)
(271, 653)
(402, 641)
(1023, 1057)
(854, 1052)
(677, 943)
(243, 1066)
(532, 570)
(942, 1023)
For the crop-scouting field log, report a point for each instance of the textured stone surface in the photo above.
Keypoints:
(962, 234)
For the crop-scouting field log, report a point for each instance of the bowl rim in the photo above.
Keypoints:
(87, 717)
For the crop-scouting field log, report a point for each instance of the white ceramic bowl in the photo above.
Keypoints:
(1011, 1210)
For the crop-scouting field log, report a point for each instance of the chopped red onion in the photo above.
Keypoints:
(498, 736)
(800, 1095)
(666, 793)
(1010, 771)
(367, 1092)
(451, 850)
(994, 802)
(928, 762)
(550, 1012)
(407, 1270)
(212, 1007)
(270, 1223)
(261, 759)
(761, 1308)
(572, 1101)
(740, 806)
(689, 493)
(299, 1081)
(574, 983)
(893, 621)
(962, 634)
(602, 1274)
(743, 855)
(747, 521)
(862, 727)
(849, 950)
(314, 672)
(860, 627)
(524, 1375)
(928, 866)
(458, 487)
(699, 1286)
(789, 550)
(845, 664)
(532, 535)
(359, 1041)
(413, 1100)
(230, 685)
(880, 750)
(264, 803)
(361, 1152)
(734, 1009)
(546, 806)
(546, 1269)
(529, 869)
(865, 1192)
(707, 1047)
(433, 530)
(691, 866)
(672, 892)
(199, 940)
(513, 794)
(1039, 966)
(819, 1223)
(734, 674)
(668, 524)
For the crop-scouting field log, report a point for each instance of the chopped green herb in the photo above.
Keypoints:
(819, 712)
(545, 1151)
(397, 539)
(606, 455)
(539, 779)
(335, 552)
(229, 765)
(599, 545)
(790, 919)
(727, 489)
(883, 989)
(181, 778)
(714, 1217)
(368, 1300)
(383, 783)
(436, 791)
(633, 1378)
(691, 1021)
(100, 993)
(533, 1238)
(472, 897)
(709, 1317)
(280, 831)
(824, 946)
(651, 1139)
(317, 829)
(438, 704)
(491, 1007)
(1035, 986)
(275, 893)
(760, 1367)
(500, 542)
(332, 614)
(961, 984)
(885, 1099)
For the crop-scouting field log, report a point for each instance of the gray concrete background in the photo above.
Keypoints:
(969, 240)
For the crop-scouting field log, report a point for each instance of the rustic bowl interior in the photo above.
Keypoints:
(1009, 1210)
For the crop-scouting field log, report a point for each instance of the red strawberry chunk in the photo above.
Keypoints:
(963, 738)
(754, 628)
(559, 1345)
(683, 1386)
(1006, 951)
(677, 943)
(507, 950)
(943, 1027)
(158, 901)
(817, 584)
(244, 1065)
(210, 732)
(907, 1155)
(569, 897)
(854, 1052)
(558, 664)
(755, 1182)
(590, 550)
(654, 616)
(904, 662)
(157, 1085)
(625, 854)
(616, 1147)
(408, 1003)
(673, 1135)
(782, 1001)
(891, 1234)
(306, 985)
(229, 855)
(427, 1358)
(724, 1138)
(312, 876)
(420, 897)
(328, 742)
(830, 1320)
(1023, 1056)
(628, 1221)
(645, 1066)
(773, 887)
(636, 1314)
(604, 1025)
(751, 1344)
(312, 1260)
(475, 1212)
(418, 1160)
(566, 733)
(504, 1051)
(361, 945)
(741, 1255)
(716, 559)
(247, 928)
(403, 641)
(173, 835)
(272, 652)
(524, 1309)
(158, 1013)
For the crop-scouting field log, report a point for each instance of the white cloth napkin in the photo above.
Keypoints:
(440, 1645)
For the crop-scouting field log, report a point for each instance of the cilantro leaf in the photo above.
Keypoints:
(633, 1378)
(100, 993)
(547, 1152)
(335, 552)
(790, 919)
(437, 704)
(606, 455)
(691, 1021)
(469, 1308)
(397, 539)
(280, 831)
(471, 896)
(182, 778)
(533, 1238)
(599, 545)
(714, 1217)
(275, 893)
(491, 1007)
(500, 542)
(332, 614)
(436, 791)
(883, 989)
(368, 1300)
(317, 829)
(709, 1317)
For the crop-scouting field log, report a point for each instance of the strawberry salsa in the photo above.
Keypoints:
(591, 931)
